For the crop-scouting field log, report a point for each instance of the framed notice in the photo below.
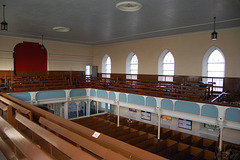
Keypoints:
(146, 115)
(166, 117)
(185, 124)
(132, 110)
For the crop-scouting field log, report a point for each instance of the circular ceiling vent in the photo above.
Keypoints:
(61, 29)
(128, 6)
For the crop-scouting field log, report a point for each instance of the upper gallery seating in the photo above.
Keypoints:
(182, 87)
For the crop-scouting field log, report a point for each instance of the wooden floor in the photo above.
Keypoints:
(173, 144)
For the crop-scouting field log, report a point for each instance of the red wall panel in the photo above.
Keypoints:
(28, 56)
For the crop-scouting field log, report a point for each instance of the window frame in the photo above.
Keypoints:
(129, 64)
(104, 66)
(161, 66)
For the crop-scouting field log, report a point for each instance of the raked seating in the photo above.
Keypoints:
(173, 145)
(21, 149)
(60, 144)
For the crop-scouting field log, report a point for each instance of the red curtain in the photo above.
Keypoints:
(29, 56)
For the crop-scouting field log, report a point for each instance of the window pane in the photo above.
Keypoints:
(134, 66)
(216, 64)
(107, 67)
(168, 65)
(87, 70)
(216, 68)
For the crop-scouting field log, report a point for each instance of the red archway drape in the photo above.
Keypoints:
(29, 56)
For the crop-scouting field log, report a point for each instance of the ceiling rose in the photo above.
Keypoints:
(61, 29)
(128, 6)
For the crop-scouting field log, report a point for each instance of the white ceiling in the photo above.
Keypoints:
(96, 22)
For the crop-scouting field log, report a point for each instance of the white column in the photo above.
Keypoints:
(61, 111)
(97, 106)
(159, 126)
(66, 110)
(220, 138)
(118, 115)
(77, 107)
(221, 123)
(88, 107)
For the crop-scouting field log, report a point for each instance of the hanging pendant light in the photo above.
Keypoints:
(4, 24)
(214, 33)
(42, 46)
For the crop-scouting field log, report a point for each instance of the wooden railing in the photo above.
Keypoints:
(184, 87)
(193, 91)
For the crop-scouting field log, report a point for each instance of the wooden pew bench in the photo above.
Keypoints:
(205, 155)
(123, 132)
(7, 150)
(3, 107)
(188, 153)
(158, 147)
(128, 136)
(206, 144)
(165, 133)
(191, 140)
(16, 106)
(104, 140)
(27, 148)
(92, 123)
(63, 146)
(87, 144)
(139, 139)
(173, 150)
(115, 129)
(180, 137)
(105, 129)
(147, 143)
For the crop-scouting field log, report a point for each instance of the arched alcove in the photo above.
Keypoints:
(29, 56)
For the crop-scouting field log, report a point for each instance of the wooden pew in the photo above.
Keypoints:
(29, 149)
(156, 148)
(137, 139)
(147, 143)
(206, 155)
(115, 129)
(96, 123)
(104, 140)
(165, 133)
(188, 153)
(205, 144)
(7, 151)
(87, 144)
(173, 150)
(105, 129)
(148, 128)
(3, 107)
(65, 147)
(128, 136)
(191, 140)
(123, 132)
(10, 112)
(16, 106)
(180, 136)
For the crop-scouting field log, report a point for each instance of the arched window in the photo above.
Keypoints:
(132, 66)
(106, 66)
(216, 64)
(214, 67)
(166, 64)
